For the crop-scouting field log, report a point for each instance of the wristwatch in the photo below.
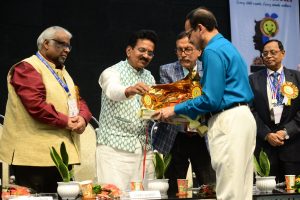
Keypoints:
(286, 136)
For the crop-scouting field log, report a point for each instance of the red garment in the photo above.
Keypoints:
(30, 88)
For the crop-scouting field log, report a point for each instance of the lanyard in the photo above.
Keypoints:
(61, 82)
(274, 89)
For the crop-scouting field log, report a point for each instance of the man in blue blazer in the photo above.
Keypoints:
(276, 108)
(184, 145)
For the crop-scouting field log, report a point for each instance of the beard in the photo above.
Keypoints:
(61, 60)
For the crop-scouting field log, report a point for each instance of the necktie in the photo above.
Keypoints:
(276, 86)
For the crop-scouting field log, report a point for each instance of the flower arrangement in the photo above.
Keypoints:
(207, 191)
(106, 191)
(297, 184)
(14, 191)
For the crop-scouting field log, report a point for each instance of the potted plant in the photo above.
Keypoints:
(264, 182)
(67, 189)
(161, 164)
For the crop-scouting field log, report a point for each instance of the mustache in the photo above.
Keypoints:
(144, 59)
(183, 59)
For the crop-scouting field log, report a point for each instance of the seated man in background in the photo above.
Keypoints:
(278, 122)
(183, 144)
(122, 137)
(43, 110)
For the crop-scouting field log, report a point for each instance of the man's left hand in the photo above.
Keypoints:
(281, 134)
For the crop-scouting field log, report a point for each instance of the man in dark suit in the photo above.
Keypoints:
(276, 108)
(184, 145)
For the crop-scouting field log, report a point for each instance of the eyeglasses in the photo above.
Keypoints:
(189, 33)
(143, 50)
(62, 45)
(272, 53)
(187, 51)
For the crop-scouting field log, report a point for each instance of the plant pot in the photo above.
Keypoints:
(68, 190)
(265, 184)
(162, 185)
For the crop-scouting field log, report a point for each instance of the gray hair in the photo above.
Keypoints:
(49, 33)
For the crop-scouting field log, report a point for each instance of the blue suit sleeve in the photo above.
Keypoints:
(163, 75)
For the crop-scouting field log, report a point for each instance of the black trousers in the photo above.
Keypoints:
(40, 179)
(192, 148)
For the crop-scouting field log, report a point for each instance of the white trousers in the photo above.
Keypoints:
(232, 139)
(121, 167)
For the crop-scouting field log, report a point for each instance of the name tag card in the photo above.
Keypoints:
(277, 111)
(155, 194)
(73, 110)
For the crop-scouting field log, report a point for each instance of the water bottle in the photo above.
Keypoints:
(195, 181)
(12, 179)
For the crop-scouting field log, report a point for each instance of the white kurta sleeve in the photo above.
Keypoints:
(110, 83)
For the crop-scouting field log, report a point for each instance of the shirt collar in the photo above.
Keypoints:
(216, 37)
(279, 70)
(186, 71)
(52, 65)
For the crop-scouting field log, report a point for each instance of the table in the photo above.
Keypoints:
(277, 194)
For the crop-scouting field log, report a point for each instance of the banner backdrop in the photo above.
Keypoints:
(253, 22)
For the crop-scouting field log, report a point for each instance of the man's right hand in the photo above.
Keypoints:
(139, 88)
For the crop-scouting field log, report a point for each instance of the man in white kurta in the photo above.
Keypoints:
(122, 138)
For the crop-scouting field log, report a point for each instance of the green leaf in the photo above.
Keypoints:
(71, 172)
(64, 154)
(263, 166)
(53, 157)
(167, 160)
(59, 163)
(264, 163)
(97, 189)
(56, 156)
(159, 166)
(257, 167)
(64, 172)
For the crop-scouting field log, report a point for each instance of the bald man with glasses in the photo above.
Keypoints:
(43, 109)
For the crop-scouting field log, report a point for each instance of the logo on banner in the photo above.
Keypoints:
(265, 28)
(269, 26)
